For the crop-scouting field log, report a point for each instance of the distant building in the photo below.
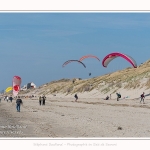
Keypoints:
(28, 86)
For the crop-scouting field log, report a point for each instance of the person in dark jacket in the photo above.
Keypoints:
(118, 96)
(18, 103)
(40, 100)
(76, 96)
(44, 98)
(107, 98)
(142, 97)
(10, 98)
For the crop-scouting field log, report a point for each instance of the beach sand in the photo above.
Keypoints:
(65, 118)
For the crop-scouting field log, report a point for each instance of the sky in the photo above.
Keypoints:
(35, 45)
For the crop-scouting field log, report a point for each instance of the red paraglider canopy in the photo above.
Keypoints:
(88, 56)
(114, 55)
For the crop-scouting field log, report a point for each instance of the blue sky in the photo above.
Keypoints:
(35, 45)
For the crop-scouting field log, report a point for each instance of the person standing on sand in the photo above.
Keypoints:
(44, 98)
(76, 96)
(18, 103)
(10, 98)
(118, 96)
(142, 98)
(7, 98)
(40, 100)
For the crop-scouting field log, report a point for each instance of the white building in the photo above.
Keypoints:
(30, 85)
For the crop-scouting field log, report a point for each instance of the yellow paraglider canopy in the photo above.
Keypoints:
(8, 89)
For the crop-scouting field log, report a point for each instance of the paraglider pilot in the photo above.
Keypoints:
(76, 97)
(107, 98)
(142, 97)
(118, 96)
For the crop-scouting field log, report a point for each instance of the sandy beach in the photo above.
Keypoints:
(63, 117)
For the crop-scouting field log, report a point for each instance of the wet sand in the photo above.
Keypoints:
(87, 118)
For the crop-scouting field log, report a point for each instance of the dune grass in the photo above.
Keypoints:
(128, 78)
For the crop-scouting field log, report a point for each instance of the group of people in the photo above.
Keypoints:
(8, 98)
(19, 102)
(142, 97)
(42, 100)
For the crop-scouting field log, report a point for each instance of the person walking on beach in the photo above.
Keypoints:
(44, 98)
(10, 98)
(7, 98)
(118, 96)
(142, 97)
(18, 103)
(76, 96)
(40, 100)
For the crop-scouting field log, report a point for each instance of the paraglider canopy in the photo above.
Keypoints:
(69, 61)
(114, 55)
(88, 56)
(8, 89)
